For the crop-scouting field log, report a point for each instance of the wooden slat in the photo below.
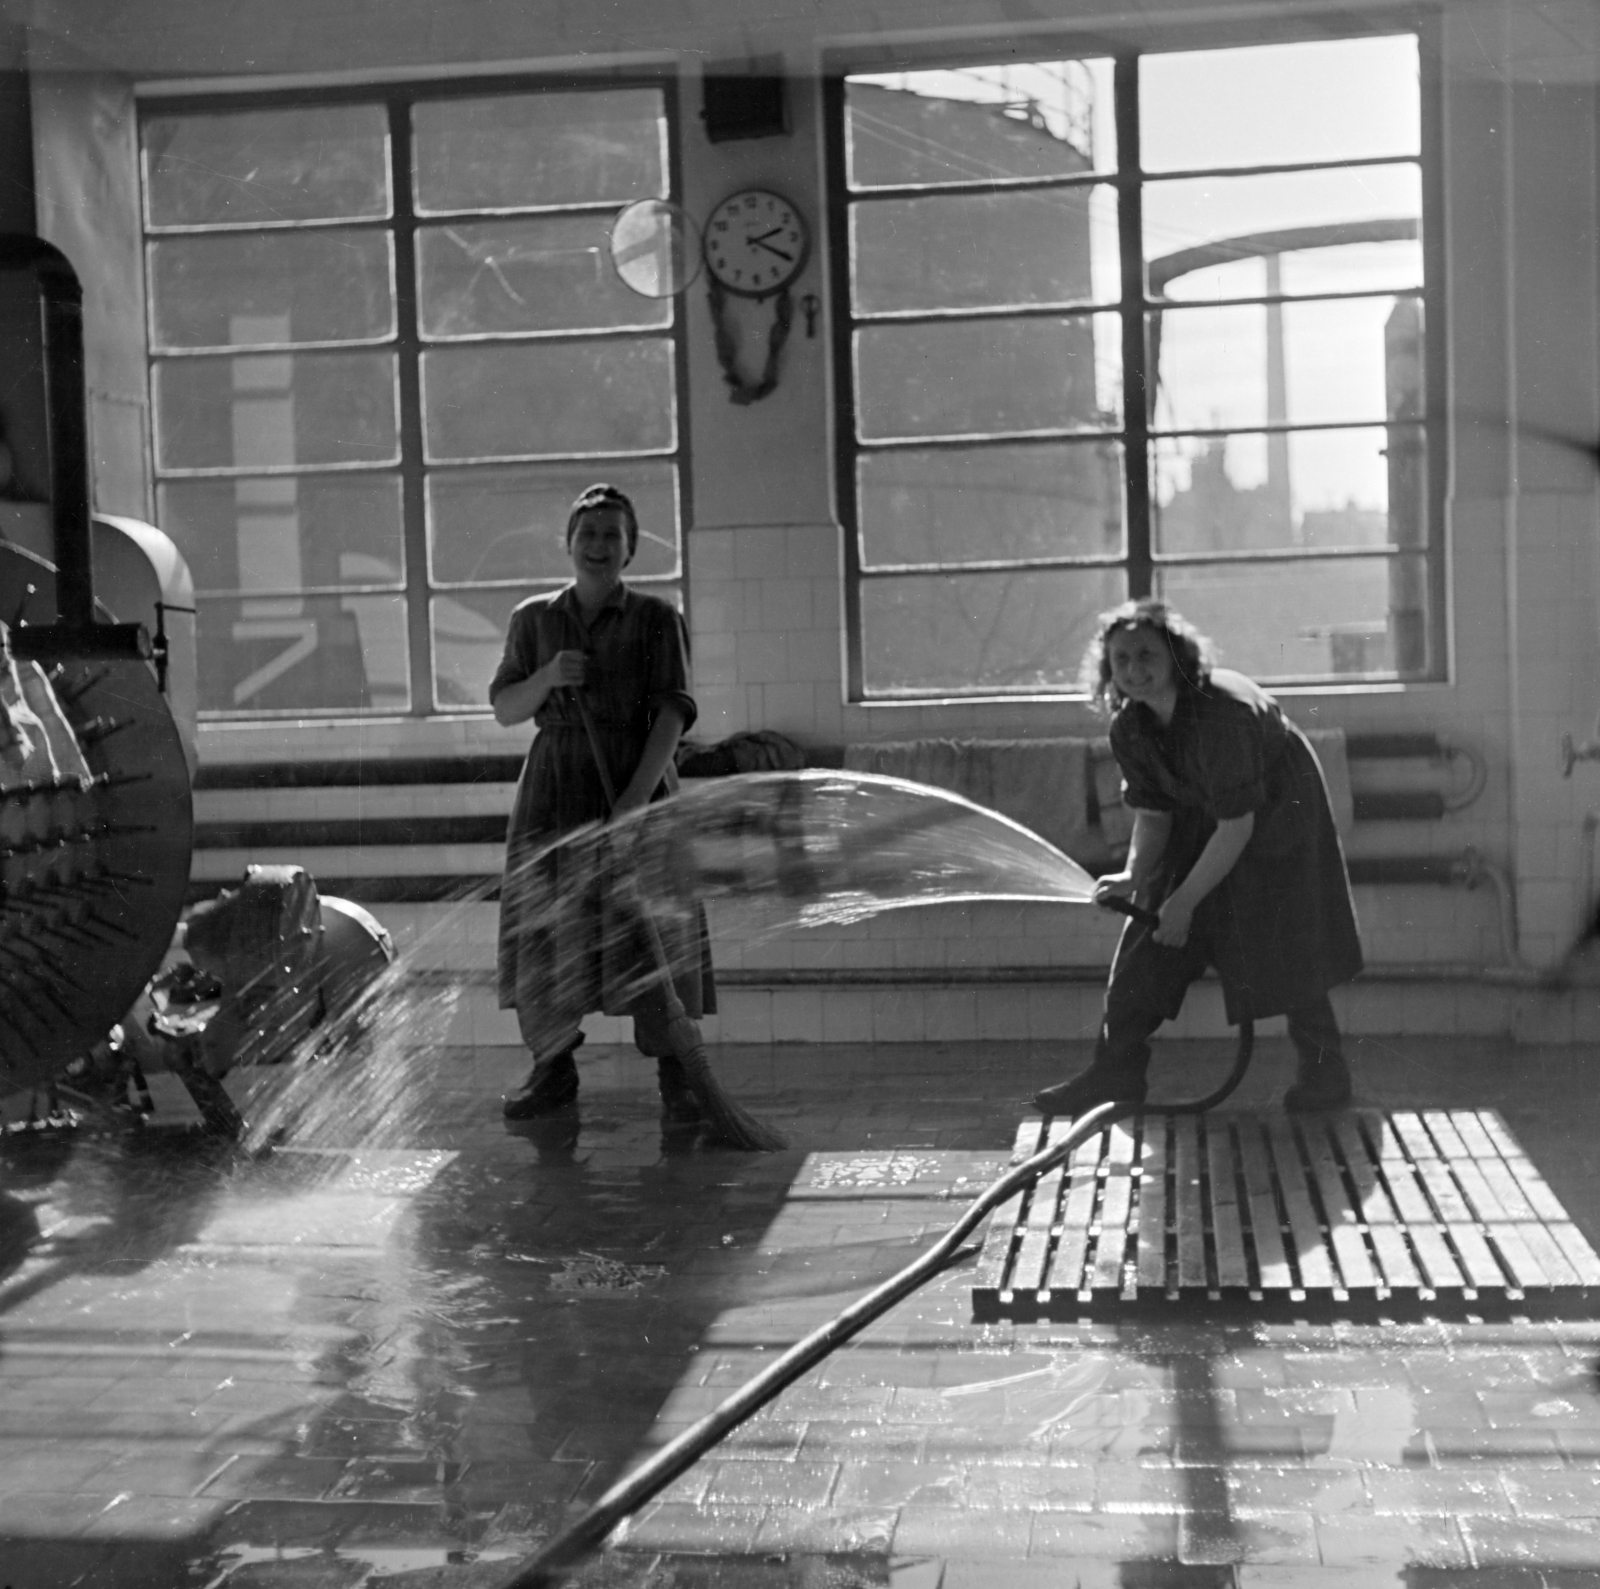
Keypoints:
(1111, 1248)
(989, 1277)
(1576, 1250)
(1529, 1274)
(1400, 1175)
(1547, 1253)
(1478, 1263)
(1190, 1210)
(1151, 1261)
(1416, 1141)
(1444, 1193)
(1227, 1232)
(1374, 1206)
(1544, 1203)
(1311, 1253)
(1272, 1263)
(1437, 1259)
(1344, 1220)
(1470, 1178)
(1442, 1129)
(1066, 1271)
(1467, 1173)
(1397, 1268)
(1028, 1272)
(1478, 1143)
(1507, 1192)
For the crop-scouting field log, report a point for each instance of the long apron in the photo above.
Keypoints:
(1280, 927)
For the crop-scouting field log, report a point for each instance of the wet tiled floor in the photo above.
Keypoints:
(406, 1355)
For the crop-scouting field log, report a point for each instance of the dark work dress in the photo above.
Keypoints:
(565, 947)
(1280, 927)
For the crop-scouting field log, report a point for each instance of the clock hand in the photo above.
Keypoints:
(771, 250)
(761, 237)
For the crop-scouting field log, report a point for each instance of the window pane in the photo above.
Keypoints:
(545, 400)
(960, 634)
(275, 410)
(988, 377)
(979, 124)
(271, 289)
(534, 151)
(501, 278)
(303, 654)
(985, 250)
(268, 167)
(981, 504)
(510, 524)
(1312, 363)
(1307, 619)
(281, 533)
(1201, 224)
(1280, 104)
(1329, 489)
(469, 633)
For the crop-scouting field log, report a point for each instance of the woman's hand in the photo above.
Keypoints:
(566, 670)
(1176, 915)
(629, 800)
(1114, 885)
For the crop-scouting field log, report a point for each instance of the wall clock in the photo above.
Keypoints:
(756, 244)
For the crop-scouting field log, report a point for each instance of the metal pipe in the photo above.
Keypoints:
(66, 386)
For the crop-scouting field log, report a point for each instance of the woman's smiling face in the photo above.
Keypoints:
(1142, 667)
(599, 547)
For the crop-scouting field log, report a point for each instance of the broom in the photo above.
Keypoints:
(726, 1121)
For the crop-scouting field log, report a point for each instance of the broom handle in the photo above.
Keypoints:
(597, 750)
(658, 951)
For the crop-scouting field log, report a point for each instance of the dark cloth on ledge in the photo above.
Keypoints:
(567, 945)
(1280, 927)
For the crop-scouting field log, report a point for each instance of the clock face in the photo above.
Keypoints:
(755, 243)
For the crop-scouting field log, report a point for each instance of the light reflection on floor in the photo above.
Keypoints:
(413, 1362)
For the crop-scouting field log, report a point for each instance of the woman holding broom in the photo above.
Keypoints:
(603, 671)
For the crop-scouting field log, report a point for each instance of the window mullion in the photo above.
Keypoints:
(413, 486)
(1136, 400)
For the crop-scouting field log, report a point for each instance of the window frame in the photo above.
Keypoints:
(401, 226)
(1128, 180)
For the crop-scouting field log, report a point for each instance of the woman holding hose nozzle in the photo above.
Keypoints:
(1234, 845)
(621, 657)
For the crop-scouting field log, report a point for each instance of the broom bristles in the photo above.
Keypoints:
(725, 1120)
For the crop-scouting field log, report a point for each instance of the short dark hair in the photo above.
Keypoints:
(601, 495)
(1192, 653)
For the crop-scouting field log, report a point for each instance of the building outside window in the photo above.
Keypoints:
(388, 347)
(1151, 323)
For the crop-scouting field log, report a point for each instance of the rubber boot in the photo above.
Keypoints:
(1322, 1081)
(679, 1106)
(552, 1084)
(1101, 1083)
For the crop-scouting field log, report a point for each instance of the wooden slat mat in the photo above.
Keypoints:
(1427, 1213)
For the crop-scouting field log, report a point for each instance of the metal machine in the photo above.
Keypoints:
(96, 820)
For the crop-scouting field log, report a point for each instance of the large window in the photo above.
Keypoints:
(388, 347)
(1143, 323)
